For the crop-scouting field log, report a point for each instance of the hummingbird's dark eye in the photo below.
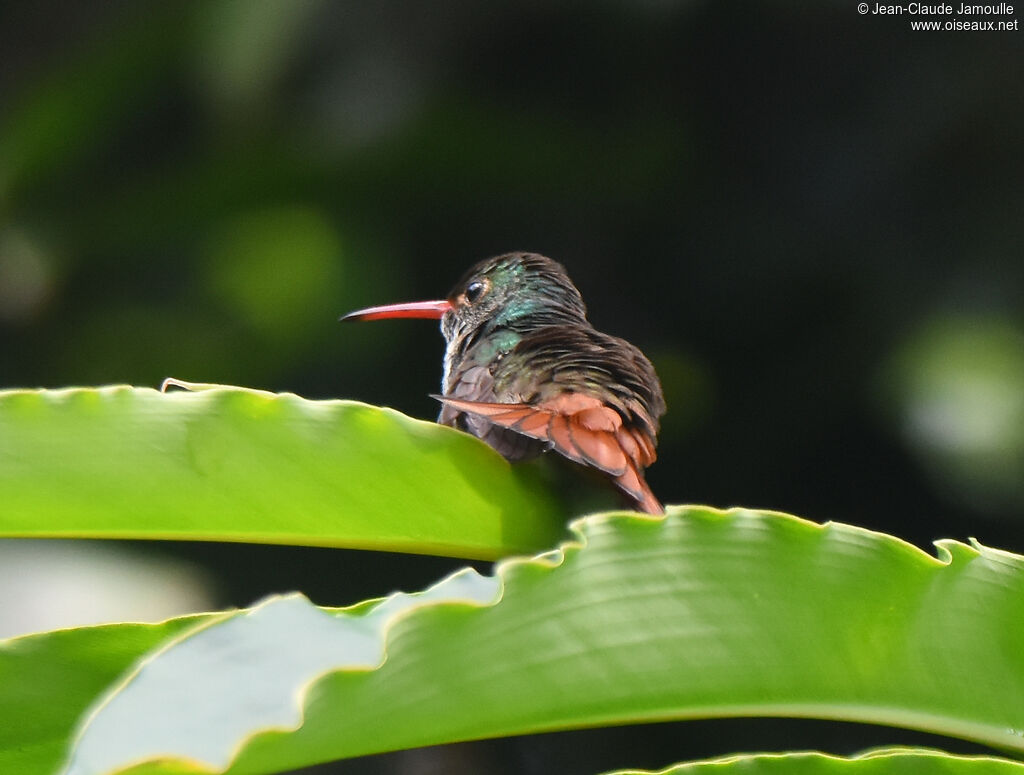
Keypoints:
(474, 291)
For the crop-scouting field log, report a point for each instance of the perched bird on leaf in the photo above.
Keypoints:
(526, 372)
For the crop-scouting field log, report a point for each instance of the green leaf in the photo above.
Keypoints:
(244, 465)
(697, 614)
(889, 761)
(47, 681)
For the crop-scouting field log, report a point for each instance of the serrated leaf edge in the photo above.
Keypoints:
(946, 554)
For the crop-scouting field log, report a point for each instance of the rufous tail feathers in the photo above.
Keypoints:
(583, 429)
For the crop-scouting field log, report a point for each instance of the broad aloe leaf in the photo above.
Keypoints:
(244, 465)
(899, 761)
(698, 614)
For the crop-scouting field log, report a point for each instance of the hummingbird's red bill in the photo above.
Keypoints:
(415, 309)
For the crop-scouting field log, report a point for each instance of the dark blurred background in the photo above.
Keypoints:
(810, 219)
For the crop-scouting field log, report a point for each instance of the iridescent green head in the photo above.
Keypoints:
(515, 290)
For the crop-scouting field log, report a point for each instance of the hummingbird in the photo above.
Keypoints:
(526, 372)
